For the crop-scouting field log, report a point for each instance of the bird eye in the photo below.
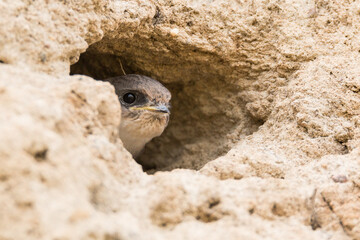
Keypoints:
(129, 98)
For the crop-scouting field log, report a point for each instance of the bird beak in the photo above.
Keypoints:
(161, 108)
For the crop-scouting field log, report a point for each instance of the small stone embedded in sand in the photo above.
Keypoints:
(339, 178)
(312, 12)
(79, 215)
(174, 32)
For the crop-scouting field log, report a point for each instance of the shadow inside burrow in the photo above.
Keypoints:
(203, 123)
(103, 66)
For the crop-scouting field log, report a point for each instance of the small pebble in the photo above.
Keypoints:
(312, 12)
(174, 32)
(42, 57)
(339, 178)
(79, 215)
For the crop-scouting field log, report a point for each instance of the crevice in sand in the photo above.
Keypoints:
(208, 114)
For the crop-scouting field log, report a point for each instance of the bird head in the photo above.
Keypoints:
(145, 105)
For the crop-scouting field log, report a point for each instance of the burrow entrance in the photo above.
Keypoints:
(208, 115)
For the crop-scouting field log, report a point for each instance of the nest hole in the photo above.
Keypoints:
(207, 117)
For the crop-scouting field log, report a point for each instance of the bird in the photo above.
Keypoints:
(145, 110)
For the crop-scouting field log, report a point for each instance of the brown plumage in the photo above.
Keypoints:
(145, 105)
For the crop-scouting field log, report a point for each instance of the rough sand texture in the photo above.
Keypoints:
(265, 120)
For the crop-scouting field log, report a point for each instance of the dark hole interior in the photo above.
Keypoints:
(207, 117)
